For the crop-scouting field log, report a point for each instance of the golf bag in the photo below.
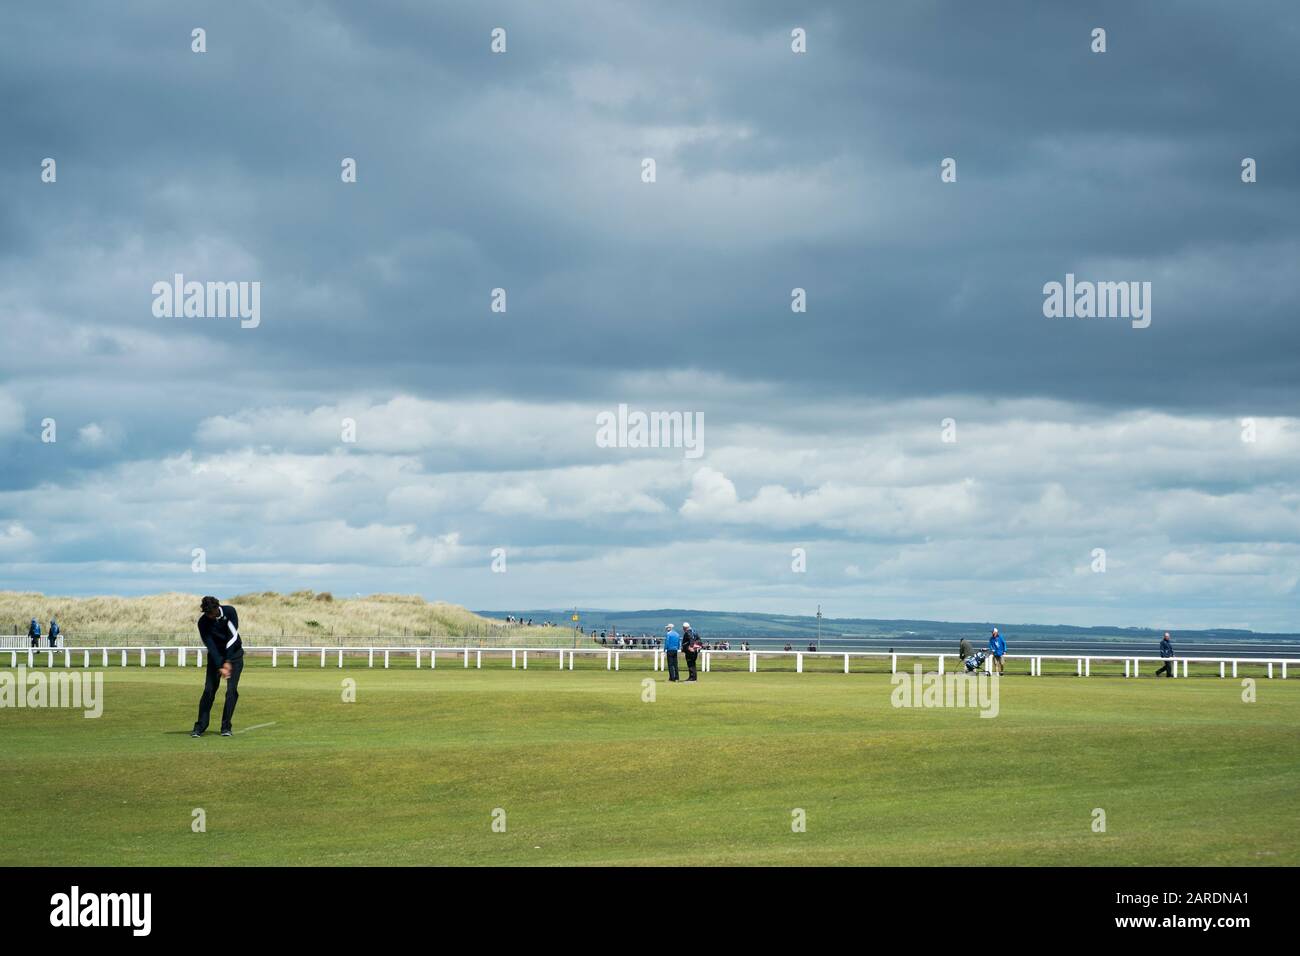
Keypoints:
(975, 660)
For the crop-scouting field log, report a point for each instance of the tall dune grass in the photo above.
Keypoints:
(267, 618)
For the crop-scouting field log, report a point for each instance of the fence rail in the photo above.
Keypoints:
(181, 655)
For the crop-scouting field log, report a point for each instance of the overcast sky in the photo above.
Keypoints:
(774, 170)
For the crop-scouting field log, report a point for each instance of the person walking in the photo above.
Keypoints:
(692, 645)
(672, 644)
(1167, 653)
(219, 631)
(34, 632)
(54, 632)
(964, 649)
(997, 647)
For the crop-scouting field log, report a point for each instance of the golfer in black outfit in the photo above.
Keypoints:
(691, 645)
(219, 630)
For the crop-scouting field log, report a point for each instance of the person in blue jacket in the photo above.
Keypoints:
(1167, 652)
(672, 644)
(54, 632)
(34, 632)
(997, 647)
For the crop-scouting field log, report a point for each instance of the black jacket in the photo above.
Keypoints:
(221, 637)
(1166, 648)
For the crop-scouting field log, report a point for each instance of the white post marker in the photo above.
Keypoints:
(385, 657)
(1220, 669)
(162, 657)
(322, 657)
(67, 660)
(753, 662)
(370, 661)
(893, 663)
(609, 660)
(1135, 667)
(295, 657)
(1185, 666)
(467, 657)
(1126, 667)
(561, 658)
(1087, 667)
(49, 658)
(105, 663)
(570, 660)
(433, 658)
(124, 657)
(85, 661)
(275, 657)
(798, 663)
(940, 665)
(1234, 670)
(514, 658)
(478, 659)
(616, 656)
(1079, 667)
(340, 657)
(1270, 670)
(525, 658)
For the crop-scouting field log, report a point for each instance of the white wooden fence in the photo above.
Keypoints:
(181, 656)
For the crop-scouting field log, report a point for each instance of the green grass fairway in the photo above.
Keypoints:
(588, 773)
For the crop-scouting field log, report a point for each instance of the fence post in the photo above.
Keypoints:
(798, 663)
(1283, 670)
(561, 658)
(1087, 667)
(570, 660)
(1079, 669)
(31, 660)
(616, 656)
(340, 657)
(1185, 666)
(467, 657)
(478, 659)
(1220, 670)
(609, 659)
(941, 665)
(525, 658)
(370, 661)
(67, 661)
(1234, 670)
(142, 657)
(1270, 670)
(1136, 671)
(124, 657)
(322, 657)
(753, 662)
(385, 657)
(1126, 666)
(85, 662)
(162, 657)
(893, 663)
(514, 658)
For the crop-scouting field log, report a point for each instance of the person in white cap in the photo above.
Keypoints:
(691, 645)
(672, 644)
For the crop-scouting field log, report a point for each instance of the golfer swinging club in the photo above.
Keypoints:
(219, 631)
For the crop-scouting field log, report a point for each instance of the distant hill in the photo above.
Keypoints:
(735, 624)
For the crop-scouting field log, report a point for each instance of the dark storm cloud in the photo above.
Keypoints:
(470, 165)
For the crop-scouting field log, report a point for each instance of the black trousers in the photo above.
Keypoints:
(672, 664)
(210, 692)
(691, 658)
(1165, 669)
